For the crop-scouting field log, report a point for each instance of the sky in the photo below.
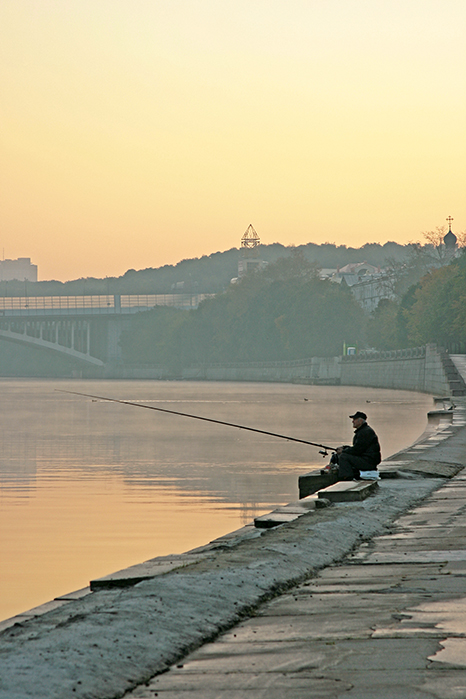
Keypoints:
(136, 133)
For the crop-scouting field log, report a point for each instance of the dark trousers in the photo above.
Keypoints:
(349, 466)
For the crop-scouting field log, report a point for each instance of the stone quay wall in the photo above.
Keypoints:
(416, 369)
(313, 370)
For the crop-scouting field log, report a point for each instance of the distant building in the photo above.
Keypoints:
(357, 272)
(246, 265)
(369, 284)
(20, 270)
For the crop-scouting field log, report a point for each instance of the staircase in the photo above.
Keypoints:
(453, 366)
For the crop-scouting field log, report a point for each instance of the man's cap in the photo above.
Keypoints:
(357, 414)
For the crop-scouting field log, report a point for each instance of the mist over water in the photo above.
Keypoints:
(88, 487)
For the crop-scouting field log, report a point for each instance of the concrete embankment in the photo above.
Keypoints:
(102, 644)
(388, 621)
(425, 369)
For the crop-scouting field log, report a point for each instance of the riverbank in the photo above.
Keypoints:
(389, 620)
(427, 369)
(92, 487)
(104, 643)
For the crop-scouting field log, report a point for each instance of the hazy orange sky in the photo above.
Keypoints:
(136, 133)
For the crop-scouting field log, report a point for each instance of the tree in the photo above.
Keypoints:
(382, 326)
(438, 313)
(435, 248)
(284, 312)
(419, 260)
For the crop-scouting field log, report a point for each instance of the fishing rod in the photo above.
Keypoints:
(206, 419)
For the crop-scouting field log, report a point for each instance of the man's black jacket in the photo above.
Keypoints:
(365, 445)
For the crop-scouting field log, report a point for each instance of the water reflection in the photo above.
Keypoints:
(88, 487)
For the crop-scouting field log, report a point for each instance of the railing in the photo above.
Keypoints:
(456, 347)
(151, 300)
(104, 303)
(376, 355)
(14, 303)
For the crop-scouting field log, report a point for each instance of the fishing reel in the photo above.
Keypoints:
(324, 453)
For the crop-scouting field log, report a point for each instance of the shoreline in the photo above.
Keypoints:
(168, 562)
(104, 522)
(104, 643)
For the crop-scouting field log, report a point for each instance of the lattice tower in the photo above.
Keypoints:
(250, 242)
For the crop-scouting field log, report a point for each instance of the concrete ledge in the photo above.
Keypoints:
(286, 513)
(442, 413)
(349, 491)
(274, 519)
(145, 571)
(313, 481)
(127, 577)
(428, 469)
(434, 469)
(35, 612)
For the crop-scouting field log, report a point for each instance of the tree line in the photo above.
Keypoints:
(431, 310)
(281, 313)
(288, 312)
(209, 274)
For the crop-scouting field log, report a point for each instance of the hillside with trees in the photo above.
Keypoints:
(287, 312)
(284, 312)
(431, 310)
(209, 274)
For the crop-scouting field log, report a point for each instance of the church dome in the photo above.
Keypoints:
(450, 239)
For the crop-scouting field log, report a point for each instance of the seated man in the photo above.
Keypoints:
(363, 456)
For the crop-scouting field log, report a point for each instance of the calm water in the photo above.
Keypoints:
(89, 487)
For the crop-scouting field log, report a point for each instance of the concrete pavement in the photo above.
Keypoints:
(386, 622)
(331, 611)
(389, 622)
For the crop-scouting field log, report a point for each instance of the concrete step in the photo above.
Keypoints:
(144, 571)
(274, 519)
(448, 414)
(288, 513)
(313, 481)
(423, 467)
(349, 491)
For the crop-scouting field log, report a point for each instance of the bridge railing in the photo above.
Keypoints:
(98, 303)
(42, 303)
(151, 300)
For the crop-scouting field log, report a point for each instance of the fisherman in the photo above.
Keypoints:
(359, 461)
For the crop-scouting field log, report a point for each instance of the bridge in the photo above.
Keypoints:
(85, 328)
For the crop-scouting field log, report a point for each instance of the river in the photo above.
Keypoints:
(88, 487)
